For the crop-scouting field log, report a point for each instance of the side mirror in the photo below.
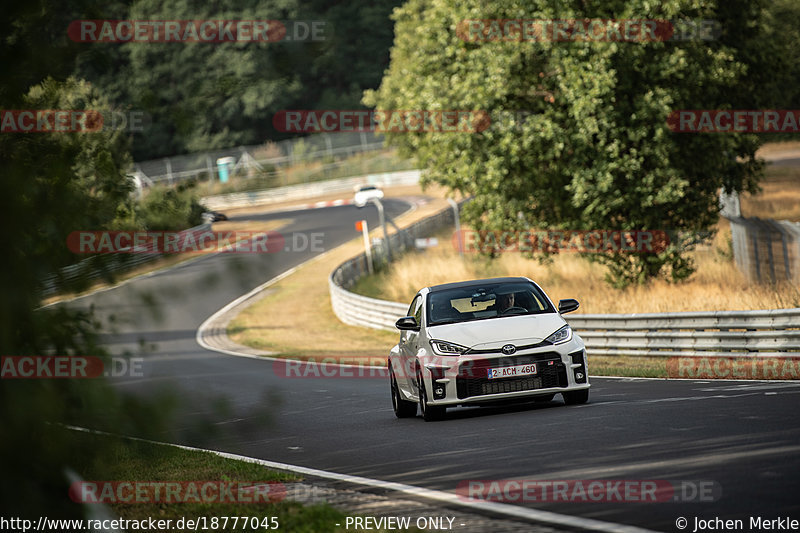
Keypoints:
(407, 323)
(568, 305)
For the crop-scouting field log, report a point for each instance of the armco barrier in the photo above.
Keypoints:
(774, 333)
(308, 190)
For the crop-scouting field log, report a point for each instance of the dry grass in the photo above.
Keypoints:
(777, 149)
(779, 197)
(294, 317)
(301, 171)
(780, 191)
(717, 284)
(283, 322)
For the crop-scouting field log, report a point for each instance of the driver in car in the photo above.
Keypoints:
(504, 302)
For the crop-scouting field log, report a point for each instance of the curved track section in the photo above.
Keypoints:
(744, 438)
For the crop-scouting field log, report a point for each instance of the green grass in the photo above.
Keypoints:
(628, 366)
(131, 460)
(371, 286)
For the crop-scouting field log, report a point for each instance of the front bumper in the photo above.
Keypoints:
(464, 380)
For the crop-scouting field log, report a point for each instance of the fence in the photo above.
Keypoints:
(773, 333)
(308, 190)
(766, 250)
(255, 157)
(104, 266)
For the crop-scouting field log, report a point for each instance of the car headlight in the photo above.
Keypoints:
(447, 348)
(562, 335)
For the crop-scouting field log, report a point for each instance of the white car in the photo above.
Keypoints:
(485, 341)
(365, 192)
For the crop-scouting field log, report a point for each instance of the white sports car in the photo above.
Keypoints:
(485, 341)
(364, 193)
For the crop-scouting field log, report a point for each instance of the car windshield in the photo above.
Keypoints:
(479, 302)
(368, 188)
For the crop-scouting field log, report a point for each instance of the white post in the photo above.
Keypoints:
(210, 170)
(382, 220)
(169, 170)
(367, 246)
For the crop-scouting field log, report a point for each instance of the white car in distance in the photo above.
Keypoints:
(485, 341)
(364, 193)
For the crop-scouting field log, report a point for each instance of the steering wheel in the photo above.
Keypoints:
(513, 308)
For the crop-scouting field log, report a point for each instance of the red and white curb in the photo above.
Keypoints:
(324, 203)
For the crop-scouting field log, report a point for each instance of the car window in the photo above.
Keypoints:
(415, 309)
(418, 309)
(489, 301)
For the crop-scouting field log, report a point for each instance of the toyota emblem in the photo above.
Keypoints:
(508, 349)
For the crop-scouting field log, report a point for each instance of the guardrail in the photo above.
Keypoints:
(773, 333)
(359, 310)
(105, 265)
(308, 190)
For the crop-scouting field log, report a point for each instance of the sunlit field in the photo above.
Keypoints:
(717, 284)
(779, 197)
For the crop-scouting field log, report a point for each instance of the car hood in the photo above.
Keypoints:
(494, 332)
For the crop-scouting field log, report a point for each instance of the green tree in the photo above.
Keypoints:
(595, 150)
(202, 96)
(54, 183)
(60, 182)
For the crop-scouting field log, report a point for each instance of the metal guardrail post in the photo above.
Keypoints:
(382, 219)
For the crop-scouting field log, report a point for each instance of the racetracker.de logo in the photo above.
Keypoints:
(175, 31)
(734, 367)
(381, 121)
(374, 367)
(50, 121)
(586, 30)
(561, 241)
(68, 367)
(70, 120)
(113, 492)
(734, 121)
(331, 367)
(589, 490)
(179, 242)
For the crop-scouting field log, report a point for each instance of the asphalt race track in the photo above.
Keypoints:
(742, 437)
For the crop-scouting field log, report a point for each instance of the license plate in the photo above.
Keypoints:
(512, 371)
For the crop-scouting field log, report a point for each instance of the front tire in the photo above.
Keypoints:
(576, 397)
(429, 412)
(402, 408)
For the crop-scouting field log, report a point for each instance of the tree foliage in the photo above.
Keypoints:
(53, 183)
(201, 96)
(593, 149)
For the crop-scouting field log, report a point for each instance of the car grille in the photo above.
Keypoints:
(472, 377)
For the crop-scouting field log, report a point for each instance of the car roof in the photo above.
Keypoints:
(477, 283)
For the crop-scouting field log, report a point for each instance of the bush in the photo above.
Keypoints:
(171, 209)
